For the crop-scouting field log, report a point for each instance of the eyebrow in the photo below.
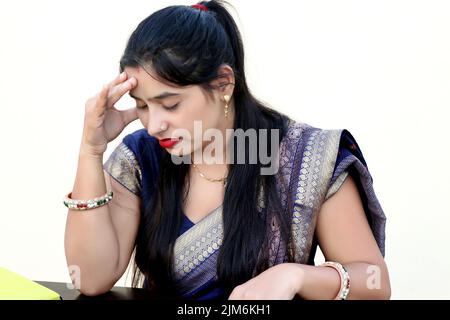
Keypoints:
(158, 97)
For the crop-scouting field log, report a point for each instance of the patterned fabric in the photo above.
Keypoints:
(193, 251)
(313, 164)
(134, 164)
(123, 167)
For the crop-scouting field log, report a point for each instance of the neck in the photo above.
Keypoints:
(213, 166)
(209, 156)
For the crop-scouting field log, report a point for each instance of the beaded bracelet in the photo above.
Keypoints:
(345, 279)
(87, 204)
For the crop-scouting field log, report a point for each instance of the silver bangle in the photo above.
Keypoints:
(343, 275)
(74, 204)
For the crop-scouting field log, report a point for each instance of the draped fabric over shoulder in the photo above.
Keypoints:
(134, 164)
(313, 164)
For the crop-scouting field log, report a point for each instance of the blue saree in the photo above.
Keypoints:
(313, 164)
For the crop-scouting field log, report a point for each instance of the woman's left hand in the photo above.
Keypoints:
(280, 282)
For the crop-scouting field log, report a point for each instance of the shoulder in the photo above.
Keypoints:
(308, 156)
(140, 141)
(300, 133)
(137, 148)
(143, 148)
(134, 160)
(327, 152)
(311, 146)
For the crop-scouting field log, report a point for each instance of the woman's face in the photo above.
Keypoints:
(178, 107)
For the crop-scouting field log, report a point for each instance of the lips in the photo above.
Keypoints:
(169, 143)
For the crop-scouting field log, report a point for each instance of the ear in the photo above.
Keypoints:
(225, 80)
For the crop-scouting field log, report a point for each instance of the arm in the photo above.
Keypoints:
(344, 236)
(100, 241)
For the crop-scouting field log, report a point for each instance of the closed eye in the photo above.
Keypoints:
(170, 108)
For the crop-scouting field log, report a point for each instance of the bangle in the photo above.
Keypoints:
(343, 275)
(87, 204)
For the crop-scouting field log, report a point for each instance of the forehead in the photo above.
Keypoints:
(148, 79)
(149, 86)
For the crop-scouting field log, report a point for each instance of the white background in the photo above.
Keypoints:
(377, 68)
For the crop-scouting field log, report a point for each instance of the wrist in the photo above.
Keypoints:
(298, 276)
(90, 152)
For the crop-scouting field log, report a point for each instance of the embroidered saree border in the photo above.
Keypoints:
(123, 166)
(309, 185)
(194, 246)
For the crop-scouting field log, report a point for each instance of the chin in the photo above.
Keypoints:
(175, 152)
(180, 149)
(185, 152)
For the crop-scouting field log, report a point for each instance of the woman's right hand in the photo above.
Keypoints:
(102, 121)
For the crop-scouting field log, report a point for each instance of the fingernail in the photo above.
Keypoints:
(122, 75)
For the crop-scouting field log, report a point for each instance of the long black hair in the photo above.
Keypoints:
(186, 46)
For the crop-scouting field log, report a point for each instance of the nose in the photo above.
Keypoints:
(156, 122)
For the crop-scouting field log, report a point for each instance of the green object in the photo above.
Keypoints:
(16, 287)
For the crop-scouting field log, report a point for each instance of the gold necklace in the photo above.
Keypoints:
(224, 180)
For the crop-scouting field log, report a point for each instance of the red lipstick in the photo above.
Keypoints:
(169, 143)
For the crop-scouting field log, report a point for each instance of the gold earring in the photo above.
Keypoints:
(227, 98)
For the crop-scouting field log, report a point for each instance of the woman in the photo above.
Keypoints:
(229, 229)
